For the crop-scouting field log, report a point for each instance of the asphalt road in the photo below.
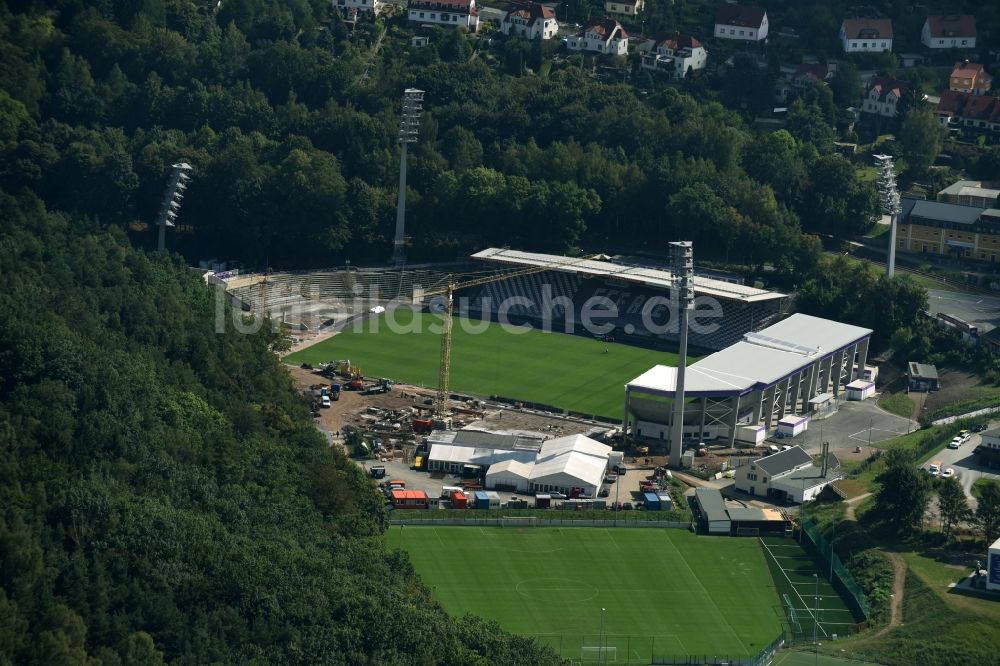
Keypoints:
(980, 310)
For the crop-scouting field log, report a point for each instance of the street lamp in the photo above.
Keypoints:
(816, 616)
(600, 653)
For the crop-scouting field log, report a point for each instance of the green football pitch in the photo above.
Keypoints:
(566, 371)
(665, 592)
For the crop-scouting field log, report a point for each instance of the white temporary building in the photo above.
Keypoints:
(561, 464)
(860, 389)
(509, 474)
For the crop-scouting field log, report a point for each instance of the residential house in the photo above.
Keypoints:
(354, 6)
(531, 21)
(988, 451)
(624, 7)
(676, 55)
(883, 97)
(866, 35)
(447, 12)
(973, 114)
(789, 476)
(741, 22)
(601, 36)
(970, 77)
(807, 75)
(949, 31)
(934, 227)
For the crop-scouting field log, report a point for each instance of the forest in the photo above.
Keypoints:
(290, 124)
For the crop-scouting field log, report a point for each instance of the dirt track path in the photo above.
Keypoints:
(852, 503)
(896, 603)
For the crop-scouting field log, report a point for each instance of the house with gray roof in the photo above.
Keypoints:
(788, 476)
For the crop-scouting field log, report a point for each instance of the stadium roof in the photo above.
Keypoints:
(653, 277)
(761, 359)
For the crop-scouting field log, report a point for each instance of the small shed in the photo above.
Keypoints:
(712, 516)
(921, 377)
(494, 499)
(433, 501)
(822, 403)
(408, 499)
(790, 426)
(751, 435)
(543, 501)
(651, 501)
(480, 499)
(859, 389)
(871, 373)
(665, 501)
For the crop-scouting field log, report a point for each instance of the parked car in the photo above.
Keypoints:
(948, 473)
(557, 496)
(955, 443)
(326, 401)
(626, 506)
(981, 427)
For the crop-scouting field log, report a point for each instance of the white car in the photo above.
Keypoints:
(948, 473)
(326, 401)
(955, 443)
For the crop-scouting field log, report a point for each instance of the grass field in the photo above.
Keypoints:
(665, 592)
(566, 371)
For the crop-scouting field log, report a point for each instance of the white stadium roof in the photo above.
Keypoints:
(761, 359)
(636, 274)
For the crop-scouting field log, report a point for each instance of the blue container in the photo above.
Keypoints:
(652, 501)
(335, 388)
(482, 499)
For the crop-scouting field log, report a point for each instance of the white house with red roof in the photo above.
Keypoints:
(949, 31)
(446, 12)
(359, 5)
(676, 55)
(531, 21)
(624, 7)
(601, 36)
(866, 35)
(970, 77)
(884, 96)
(741, 22)
(973, 113)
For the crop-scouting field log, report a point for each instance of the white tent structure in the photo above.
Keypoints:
(562, 464)
(509, 474)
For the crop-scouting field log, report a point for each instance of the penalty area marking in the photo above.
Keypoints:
(569, 590)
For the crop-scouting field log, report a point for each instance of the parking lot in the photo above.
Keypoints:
(849, 427)
(967, 470)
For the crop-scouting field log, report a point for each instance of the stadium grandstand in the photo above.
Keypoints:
(769, 375)
(640, 295)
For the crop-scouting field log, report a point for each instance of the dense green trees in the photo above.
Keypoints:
(164, 496)
(903, 493)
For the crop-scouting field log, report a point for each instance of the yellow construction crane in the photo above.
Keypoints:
(444, 368)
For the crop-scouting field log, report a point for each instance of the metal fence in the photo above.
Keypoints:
(543, 522)
(811, 539)
(638, 649)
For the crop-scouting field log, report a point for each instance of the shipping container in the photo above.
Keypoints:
(459, 500)
(543, 501)
(652, 501)
(493, 499)
(482, 500)
(448, 490)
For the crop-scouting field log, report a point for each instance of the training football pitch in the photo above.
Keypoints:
(665, 592)
(566, 371)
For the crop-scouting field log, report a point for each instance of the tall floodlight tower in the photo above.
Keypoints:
(889, 195)
(682, 260)
(172, 201)
(409, 124)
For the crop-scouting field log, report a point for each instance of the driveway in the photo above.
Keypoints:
(854, 424)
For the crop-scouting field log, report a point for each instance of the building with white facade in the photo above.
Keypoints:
(359, 5)
(788, 476)
(866, 35)
(676, 56)
(624, 7)
(883, 96)
(601, 36)
(446, 12)
(531, 21)
(949, 31)
(741, 22)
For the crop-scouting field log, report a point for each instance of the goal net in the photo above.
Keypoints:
(599, 655)
(518, 521)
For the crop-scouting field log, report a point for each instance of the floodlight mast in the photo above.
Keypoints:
(409, 125)
(889, 196)
(172, 201)
(682, 256)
